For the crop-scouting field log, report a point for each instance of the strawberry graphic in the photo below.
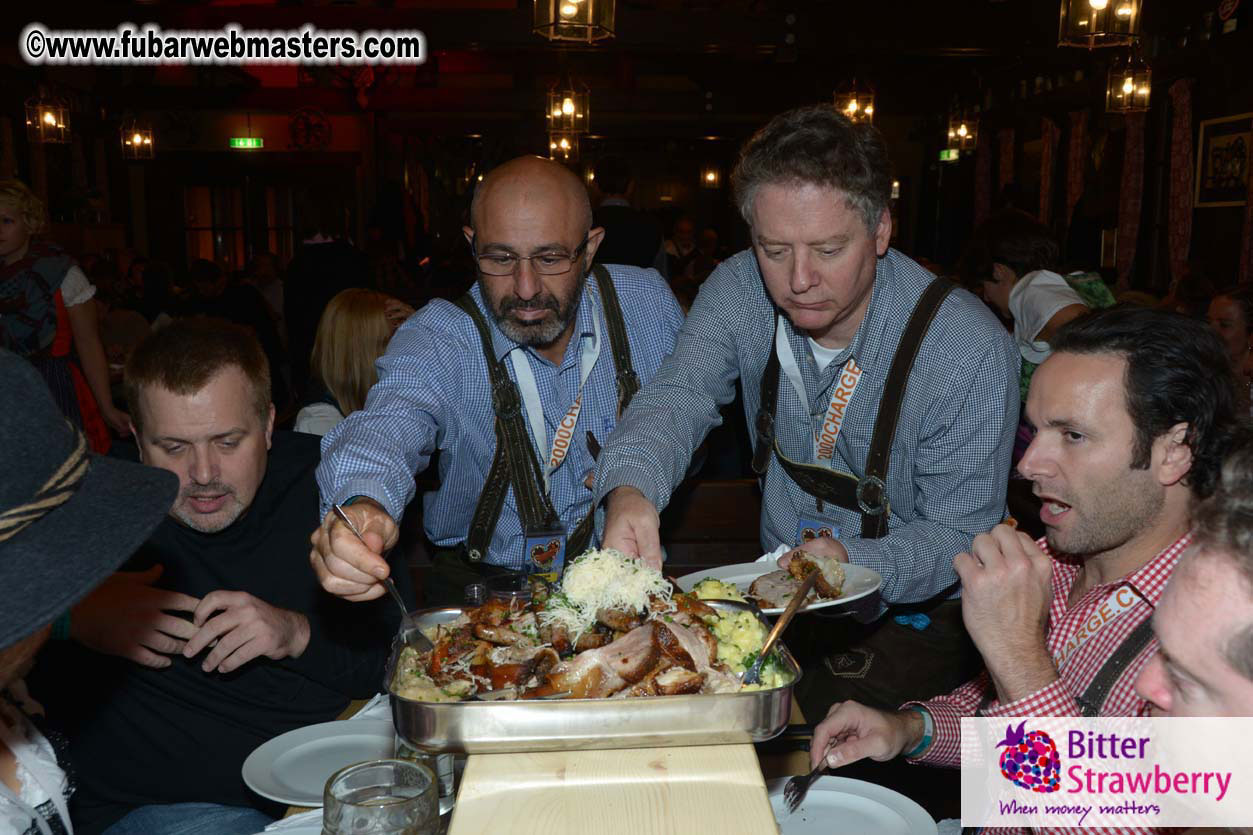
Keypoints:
(1030, 760)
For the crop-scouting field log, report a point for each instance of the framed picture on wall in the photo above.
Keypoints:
(1222, 161)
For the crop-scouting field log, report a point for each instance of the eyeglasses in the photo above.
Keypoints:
(549, 262)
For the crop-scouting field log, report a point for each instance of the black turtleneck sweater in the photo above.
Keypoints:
(139, 736)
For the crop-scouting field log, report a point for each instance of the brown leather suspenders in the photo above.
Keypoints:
(515, 463)
(868, 494)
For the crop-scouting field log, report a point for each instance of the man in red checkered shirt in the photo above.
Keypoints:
(1132, 413)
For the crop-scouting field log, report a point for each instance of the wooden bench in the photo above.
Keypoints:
(713, 523)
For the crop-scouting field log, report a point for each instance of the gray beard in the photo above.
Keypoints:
(537, 335)
(544, 333)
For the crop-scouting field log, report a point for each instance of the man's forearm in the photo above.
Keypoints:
(1022, 673)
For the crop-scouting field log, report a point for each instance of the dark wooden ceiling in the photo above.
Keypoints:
(696, 67)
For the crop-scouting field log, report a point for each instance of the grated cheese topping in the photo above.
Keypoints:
(602, 580)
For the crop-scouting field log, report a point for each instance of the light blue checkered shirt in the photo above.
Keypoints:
(433, 393)
(950, 457)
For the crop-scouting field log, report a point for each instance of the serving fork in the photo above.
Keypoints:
(753, 674)
(409, 631)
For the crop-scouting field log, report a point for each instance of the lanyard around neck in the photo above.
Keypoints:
(527, 387)
(841, 394)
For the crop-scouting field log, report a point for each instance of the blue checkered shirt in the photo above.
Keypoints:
(950, 457)
(433, 393)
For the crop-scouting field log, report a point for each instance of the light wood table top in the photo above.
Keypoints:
(707, 788)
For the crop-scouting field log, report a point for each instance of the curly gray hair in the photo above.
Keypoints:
(817, 145)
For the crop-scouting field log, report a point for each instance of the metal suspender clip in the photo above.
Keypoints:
(505, 399)
(628, 380)
(765, 427)
(874, 504)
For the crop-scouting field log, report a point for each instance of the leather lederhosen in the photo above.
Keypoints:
(868, 494)
(515, 463)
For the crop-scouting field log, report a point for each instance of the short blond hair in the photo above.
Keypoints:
(16, 195)
(352, 333)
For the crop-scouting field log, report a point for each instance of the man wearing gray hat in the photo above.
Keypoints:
(68, 519)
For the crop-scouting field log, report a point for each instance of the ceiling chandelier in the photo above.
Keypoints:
(566, 114)
(963, 130)
(47, 118)
(1129, 84)
(1093, 23)
(586, 21)
(856, 102)
(136, 138)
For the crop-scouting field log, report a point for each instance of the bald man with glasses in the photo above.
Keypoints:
(515, 384)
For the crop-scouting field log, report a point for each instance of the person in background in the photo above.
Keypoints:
(46, 317)
(215, 295)
(265, 273)
(355, 329)
(1231, 314)
(68, 519)
(680, 247)
(1191, 292)
(216, 637)
(322, 265)
(631, 236)
(1010, 262)
(157, 299)
(1204, 623)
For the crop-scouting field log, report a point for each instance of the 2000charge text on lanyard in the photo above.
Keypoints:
(552, 458)
(841, 395)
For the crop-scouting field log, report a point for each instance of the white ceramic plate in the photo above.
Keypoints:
(293, 768)
(859, 582)
(837, 805)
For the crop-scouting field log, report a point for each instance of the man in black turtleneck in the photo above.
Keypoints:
(218, 638)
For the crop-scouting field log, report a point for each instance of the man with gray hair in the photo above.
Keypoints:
(901, 476)
(1204, 623)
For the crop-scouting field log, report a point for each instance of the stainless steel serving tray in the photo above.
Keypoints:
(500, 727)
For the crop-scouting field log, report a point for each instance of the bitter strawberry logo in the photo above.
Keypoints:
(1030, 760)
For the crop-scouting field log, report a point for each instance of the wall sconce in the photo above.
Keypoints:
(710, 176)
(585, 21)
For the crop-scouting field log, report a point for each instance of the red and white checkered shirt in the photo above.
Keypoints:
(1084, 636)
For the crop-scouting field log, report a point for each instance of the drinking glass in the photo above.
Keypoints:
(509, 587)
(381, 797)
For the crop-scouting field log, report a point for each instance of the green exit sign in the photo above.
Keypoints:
(950, 155)
(247, 142)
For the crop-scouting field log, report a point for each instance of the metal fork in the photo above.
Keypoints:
(408, 626)
(797, 787)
